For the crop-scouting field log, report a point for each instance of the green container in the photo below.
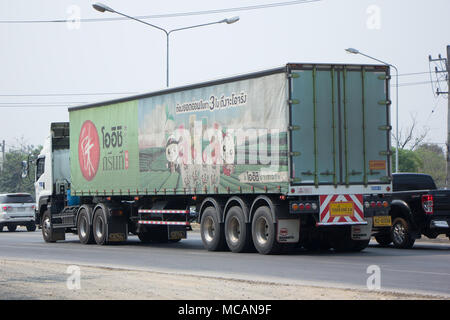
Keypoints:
(257, 133)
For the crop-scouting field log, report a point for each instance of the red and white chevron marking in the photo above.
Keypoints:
(167, 223)
(162, 211)
(358, 210)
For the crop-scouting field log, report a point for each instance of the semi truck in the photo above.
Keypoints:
(292, 156)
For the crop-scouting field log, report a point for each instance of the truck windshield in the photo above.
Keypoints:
(16, 198)
(406, 182)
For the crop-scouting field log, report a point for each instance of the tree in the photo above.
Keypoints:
(433, 162)
(11, 175)
(409, 138)
(408, 160)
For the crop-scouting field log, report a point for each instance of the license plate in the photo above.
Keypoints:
(341, 209)
(382, 221)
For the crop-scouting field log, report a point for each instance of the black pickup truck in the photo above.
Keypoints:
(418, 208)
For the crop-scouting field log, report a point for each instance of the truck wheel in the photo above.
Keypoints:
(401, 236)
(31, 227)
(359, 245)
(264, 232)
(48, 233)
(212, 231)
(84, 227)
(12, 228)
(383, 239)
(99, 227)
(145, 237)
(237, 232)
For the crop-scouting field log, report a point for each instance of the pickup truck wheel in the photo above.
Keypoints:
(237, 232)
(212, 231)
(264, 232)
(31, 227)
(12, 228)
(401, 236)
(383, 239)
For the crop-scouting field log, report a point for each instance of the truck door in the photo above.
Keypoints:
(339, 125)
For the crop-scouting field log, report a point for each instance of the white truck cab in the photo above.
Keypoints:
(52, 178)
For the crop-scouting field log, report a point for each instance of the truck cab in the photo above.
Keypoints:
(52, 179)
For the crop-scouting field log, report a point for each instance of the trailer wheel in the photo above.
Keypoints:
(264, 232)
(99, 227)
(12, 227)
(237, 232)
(84, 227)
(212, 231)
(400, 233)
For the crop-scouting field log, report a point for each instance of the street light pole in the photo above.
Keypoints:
(102, 8)
(355, 51)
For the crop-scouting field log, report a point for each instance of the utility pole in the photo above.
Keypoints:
(438, 70)
(448, 118)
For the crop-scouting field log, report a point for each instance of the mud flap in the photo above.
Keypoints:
(362, 232)
(288, 230)
(117, 230)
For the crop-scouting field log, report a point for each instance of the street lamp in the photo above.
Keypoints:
(102, 8)
(356, 51)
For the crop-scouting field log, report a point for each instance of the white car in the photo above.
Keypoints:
(17, 209)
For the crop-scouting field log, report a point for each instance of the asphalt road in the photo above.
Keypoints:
(425, 269)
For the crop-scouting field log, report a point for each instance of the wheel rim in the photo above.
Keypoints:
(46, 227)
(83, 228)
(234, 230)
(99, 228)
(262, 230)
(399, 232)
(209, 230)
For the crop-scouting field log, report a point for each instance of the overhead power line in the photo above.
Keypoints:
(172, 15)
(64, 94)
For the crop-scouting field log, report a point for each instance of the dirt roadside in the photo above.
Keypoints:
(30, 280)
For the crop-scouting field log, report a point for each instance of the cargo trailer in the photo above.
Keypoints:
(292, 156)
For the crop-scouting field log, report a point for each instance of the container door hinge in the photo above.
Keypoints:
(293, 75)
(294, 128)
(384, 77)
(385, 128)
(293, 101)
(294, 154)
(385, 153)
(384, 102)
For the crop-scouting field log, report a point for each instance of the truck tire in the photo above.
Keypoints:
(359, 245)
(12, 227)
(383, 239)
(31, 227)
(145, 237)
(99, 227)
(237, 232)
(48, 233)
(264, 231)
(401, 235)
(212, 231)
(84, 228)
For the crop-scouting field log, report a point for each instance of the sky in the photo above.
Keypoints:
(46, 67)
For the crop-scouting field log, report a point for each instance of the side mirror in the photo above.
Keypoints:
(24, 169)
